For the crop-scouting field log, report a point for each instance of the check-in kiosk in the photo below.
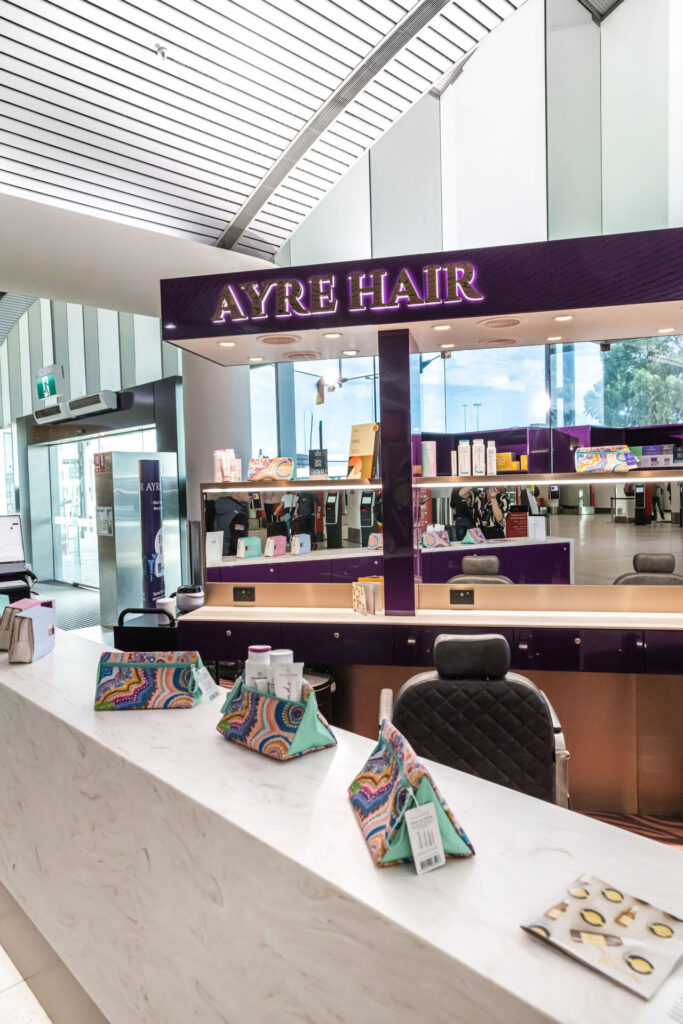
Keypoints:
(333, 519)
(367, 516)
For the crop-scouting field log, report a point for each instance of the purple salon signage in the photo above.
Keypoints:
(151, 526)
(573, 273)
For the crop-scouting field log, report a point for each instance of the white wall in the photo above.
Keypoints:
(676, 114)
(635, 115)
(405, 183)
(573, 121)
(493, 138)
(339, 227)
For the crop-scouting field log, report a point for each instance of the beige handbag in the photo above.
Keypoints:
(9, 614)
(33, 634)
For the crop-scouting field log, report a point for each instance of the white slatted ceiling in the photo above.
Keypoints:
(12, 308)
(92, 119)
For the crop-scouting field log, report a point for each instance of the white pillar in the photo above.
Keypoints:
(217, 414)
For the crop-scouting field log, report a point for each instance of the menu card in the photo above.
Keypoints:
(625, 938)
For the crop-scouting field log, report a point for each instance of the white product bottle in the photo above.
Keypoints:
(478, 457)
(464, 458)
(454, 462)
(491, 464)
(257, 668)
(278, 657)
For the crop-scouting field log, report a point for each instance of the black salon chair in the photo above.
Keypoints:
(652, 569)
(478, 569)
(472, 714)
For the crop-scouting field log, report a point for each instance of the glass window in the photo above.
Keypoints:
(495, 389)
(264, 405)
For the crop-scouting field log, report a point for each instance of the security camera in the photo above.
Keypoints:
(605, 346)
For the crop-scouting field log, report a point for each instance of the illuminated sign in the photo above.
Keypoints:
(357, 292)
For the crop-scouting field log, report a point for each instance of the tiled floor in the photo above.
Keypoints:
(603, 550)
(35, 986)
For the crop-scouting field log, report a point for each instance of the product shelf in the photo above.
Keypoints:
(314, 483)
(636, 476)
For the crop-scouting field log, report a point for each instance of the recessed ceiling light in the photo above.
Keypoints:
(226, 344)
(349, 351)
(333, 334)
(565, 316)
(555, 337)
(441, 327)
(280, 339)
(169, 327)
(666, 330)
(255, 359)
(448, 344)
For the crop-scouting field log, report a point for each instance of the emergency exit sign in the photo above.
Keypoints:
(49, 381)
(46, 385)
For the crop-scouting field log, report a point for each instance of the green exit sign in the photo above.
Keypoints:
(46, 385)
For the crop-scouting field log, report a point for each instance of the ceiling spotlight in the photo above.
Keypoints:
(226, 344)
(441, 327)
(666, 330)
(169, 327)
(349, 351)
(565, 316)
(255, 359)
(449, 344)
(554, 337)
(332, 334)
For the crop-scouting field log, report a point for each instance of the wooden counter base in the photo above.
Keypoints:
(623, 731)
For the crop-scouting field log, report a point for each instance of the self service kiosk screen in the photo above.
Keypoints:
(11, 540)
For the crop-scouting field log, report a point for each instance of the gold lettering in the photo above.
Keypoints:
(358, 290)
(431, 276)
(323, 299)
(459, 278)
(405, 289)
(228, 304)
(289, 295)
(258, 298)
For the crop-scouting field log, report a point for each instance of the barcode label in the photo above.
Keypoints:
(425, 838)
(208, 685)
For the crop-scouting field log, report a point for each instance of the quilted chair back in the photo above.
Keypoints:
(474, 715)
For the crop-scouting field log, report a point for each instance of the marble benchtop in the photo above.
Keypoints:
(450, 620)
(360, 942)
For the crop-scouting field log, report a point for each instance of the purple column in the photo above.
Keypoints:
(397, 476)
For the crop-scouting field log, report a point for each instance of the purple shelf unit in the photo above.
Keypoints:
(566, 440)
(531, 441)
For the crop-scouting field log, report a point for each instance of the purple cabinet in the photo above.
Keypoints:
(557, 649)
(662, 652)
(346, 570)
(415, 645)
(248, 572)
(214, 574)
(305, 571)
(533, 563)
(227, 641)
(611, 650)
(339, 644)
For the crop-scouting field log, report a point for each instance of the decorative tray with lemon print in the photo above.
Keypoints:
(625, 938)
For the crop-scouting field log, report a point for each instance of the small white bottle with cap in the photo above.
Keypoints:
(278, 657)
(257, 668)
(491, 464)
(478, 457)
(464, 458)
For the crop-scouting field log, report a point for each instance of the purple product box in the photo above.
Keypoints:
(652, 449)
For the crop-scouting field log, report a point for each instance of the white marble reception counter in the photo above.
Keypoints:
(182, 878)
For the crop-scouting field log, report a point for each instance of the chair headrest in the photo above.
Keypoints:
(485, 656)
(480, 565)
(654, 561)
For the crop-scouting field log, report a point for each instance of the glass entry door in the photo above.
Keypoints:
(72, 473)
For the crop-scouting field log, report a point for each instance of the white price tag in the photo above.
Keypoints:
(425, 838)
(208, 685)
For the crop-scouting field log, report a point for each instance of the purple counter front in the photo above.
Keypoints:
(548, 561)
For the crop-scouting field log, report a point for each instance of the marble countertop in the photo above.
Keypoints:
(182, 877)
(324, 554)
(446, 618)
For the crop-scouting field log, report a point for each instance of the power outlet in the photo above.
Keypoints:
(462, 596)
(244, 594)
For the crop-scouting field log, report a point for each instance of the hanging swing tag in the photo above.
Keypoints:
(425, 838)
(208, 685)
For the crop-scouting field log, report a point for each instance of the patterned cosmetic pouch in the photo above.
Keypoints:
(136, 680)
(616, 458)
(390, 783)
(277, 728)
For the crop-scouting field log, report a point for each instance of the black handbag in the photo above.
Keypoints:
(276, 529)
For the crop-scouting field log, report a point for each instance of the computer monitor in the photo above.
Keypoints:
(12, 555)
